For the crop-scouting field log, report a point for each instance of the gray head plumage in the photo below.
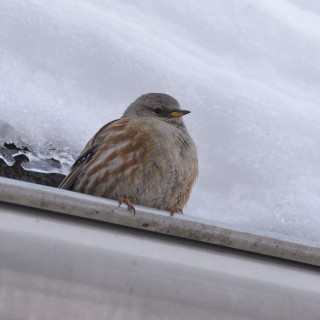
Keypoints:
(158, 105)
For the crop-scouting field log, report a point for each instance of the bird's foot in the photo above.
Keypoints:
(128, 202)
(175, 210)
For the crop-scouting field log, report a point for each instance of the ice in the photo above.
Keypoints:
(8, 155)
(248, 70)
(52, 161)
(45, 165)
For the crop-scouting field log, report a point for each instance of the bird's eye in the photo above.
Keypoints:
(157, 110)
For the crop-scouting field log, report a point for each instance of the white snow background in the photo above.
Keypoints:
(248, 70)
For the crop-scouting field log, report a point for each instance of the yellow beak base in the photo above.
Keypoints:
(179, 113)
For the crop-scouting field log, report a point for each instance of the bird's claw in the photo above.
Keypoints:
(175, 210)
(127, 201)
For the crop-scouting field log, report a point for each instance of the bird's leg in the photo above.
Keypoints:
(175, 210)
(127, 201)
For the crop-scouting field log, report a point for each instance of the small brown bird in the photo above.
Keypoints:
(147, 157)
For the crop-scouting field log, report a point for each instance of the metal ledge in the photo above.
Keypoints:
(81, 205)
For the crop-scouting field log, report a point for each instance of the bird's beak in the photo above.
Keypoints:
(179, 113)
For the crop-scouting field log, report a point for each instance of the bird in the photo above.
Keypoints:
(146, 157)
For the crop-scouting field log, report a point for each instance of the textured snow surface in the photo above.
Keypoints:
(248, 70)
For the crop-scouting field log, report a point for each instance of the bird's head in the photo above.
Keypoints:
(156, 105)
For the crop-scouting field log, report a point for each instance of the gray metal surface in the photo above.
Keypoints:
(188, 227)
(54, 266)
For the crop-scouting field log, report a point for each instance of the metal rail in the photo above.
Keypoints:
(188, 227)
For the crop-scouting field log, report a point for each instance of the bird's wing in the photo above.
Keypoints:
(85, 156)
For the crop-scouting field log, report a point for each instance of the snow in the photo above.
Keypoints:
(248, 70)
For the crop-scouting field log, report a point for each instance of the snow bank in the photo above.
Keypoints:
(248, 70)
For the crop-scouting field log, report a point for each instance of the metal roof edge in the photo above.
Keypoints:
(184, 226)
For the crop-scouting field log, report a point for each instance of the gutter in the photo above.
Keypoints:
(182, 226)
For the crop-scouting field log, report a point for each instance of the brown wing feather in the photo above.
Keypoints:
(85, 156)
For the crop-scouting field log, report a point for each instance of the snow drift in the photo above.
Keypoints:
(248, 70)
